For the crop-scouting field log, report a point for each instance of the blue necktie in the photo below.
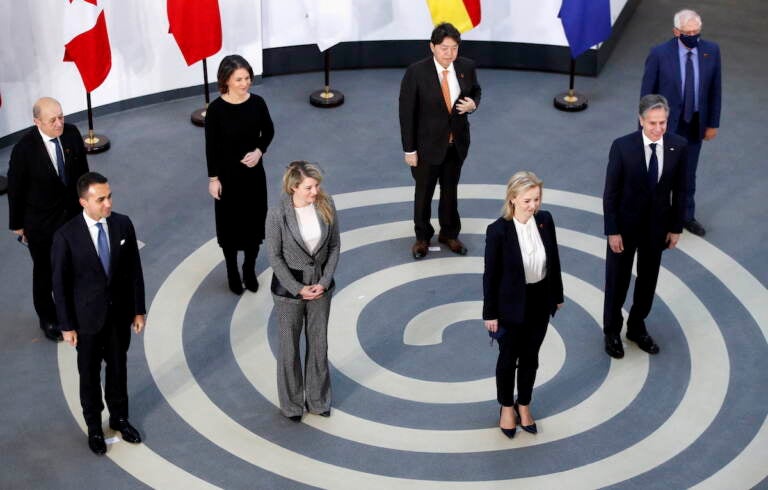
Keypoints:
(60, 160)
(689, 91)
(103, 248)
(653, 168)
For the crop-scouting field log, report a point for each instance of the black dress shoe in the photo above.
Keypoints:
(695, 227)
(96, 441)
(129, 432)
(454, 244)
(325, 414)
(420, 249)
(613, 346)
(295, 418)
(645, 342)
(510, 433)
(531, 429)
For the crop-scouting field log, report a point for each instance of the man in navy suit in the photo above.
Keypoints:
(643, 209)
(44, 167)
(99, 290)
(436, 95)
(686, 70)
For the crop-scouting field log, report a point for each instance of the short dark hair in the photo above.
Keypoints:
(443, 30)
(652, 101)
(228, 66)
(87, 180)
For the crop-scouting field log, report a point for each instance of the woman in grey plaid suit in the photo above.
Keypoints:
(302, 236)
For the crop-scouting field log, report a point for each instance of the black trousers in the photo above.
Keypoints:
(110, 345)
(618, 272)
(519, 348)
(427, 177)
(42, 285)
(691, 132)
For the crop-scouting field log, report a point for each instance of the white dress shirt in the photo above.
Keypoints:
(309, 226)
(52, 150)
(532, 250)
(94, 230)
(659, 153)
(453, 81)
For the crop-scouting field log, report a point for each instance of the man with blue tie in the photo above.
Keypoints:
(99, 290)
(44, 167)
(643, 206)
(687, 71)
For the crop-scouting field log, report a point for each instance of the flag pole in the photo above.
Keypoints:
(571, 101)
(94, 143)
(326, 97)
(198, 116)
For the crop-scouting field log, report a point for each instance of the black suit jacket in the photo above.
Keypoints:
(504, 276)
(84, 294)
(38, 201)
(425, 123)
(630, 208)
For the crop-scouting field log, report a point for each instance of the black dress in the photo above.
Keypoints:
(231, 131)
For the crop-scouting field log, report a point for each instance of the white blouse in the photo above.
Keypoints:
(532, 250)
(309, 226)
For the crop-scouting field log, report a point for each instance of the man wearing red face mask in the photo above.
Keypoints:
(686, 70)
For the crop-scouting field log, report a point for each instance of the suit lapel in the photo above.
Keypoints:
(45, 157)
(88, 248)
(114, 245)
(512, 237)
(670, 161)
(323, 231)
(674, 58)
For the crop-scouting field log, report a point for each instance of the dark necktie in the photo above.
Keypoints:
(689, 91)
(103, 248)
(653, 168)
(59, 160)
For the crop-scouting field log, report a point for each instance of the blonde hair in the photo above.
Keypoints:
(295, 174)
(519, 183)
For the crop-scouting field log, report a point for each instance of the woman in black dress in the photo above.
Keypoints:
(238, 131)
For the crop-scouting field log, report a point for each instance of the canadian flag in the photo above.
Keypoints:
(196, 26)
(87, 42)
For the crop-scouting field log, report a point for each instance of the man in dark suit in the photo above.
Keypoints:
(686, 70)
(99, 290)
(643, 207)
(44, 167)
(436, 95)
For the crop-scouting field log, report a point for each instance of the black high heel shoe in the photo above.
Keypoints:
(531, 429)
(510, 433)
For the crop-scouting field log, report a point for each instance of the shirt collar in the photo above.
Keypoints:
(440, 68)
(647, 141)
(46, 138)
(91, 222)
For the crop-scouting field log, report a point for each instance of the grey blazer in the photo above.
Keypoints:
(288, 255)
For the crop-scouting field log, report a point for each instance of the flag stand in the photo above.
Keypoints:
(571, 101)
(325, 97)
(198, 116)
(94, 143)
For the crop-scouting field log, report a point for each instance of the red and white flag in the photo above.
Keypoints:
(196, 27)
(86, 42)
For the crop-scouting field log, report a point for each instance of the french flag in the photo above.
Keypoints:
(86, 41)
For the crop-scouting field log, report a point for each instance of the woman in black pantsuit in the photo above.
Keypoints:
(522, 287)
(238, 131)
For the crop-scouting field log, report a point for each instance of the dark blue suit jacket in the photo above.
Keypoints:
(630, 208)
(504, 276)
(84, 294)
(662, 76)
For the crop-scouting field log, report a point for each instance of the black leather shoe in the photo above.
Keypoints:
(645, 342)
(454, 244)
(531, 429)
(420, 249)
(96, 441)
(295, 418)
(695, 227)
(510, 433)
(129, 432)
(613, 346)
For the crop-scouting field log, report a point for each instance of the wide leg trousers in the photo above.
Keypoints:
(312, 385)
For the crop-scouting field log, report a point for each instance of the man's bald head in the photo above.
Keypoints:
(48, 116)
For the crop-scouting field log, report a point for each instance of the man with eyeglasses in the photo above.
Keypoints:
(687, 71)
